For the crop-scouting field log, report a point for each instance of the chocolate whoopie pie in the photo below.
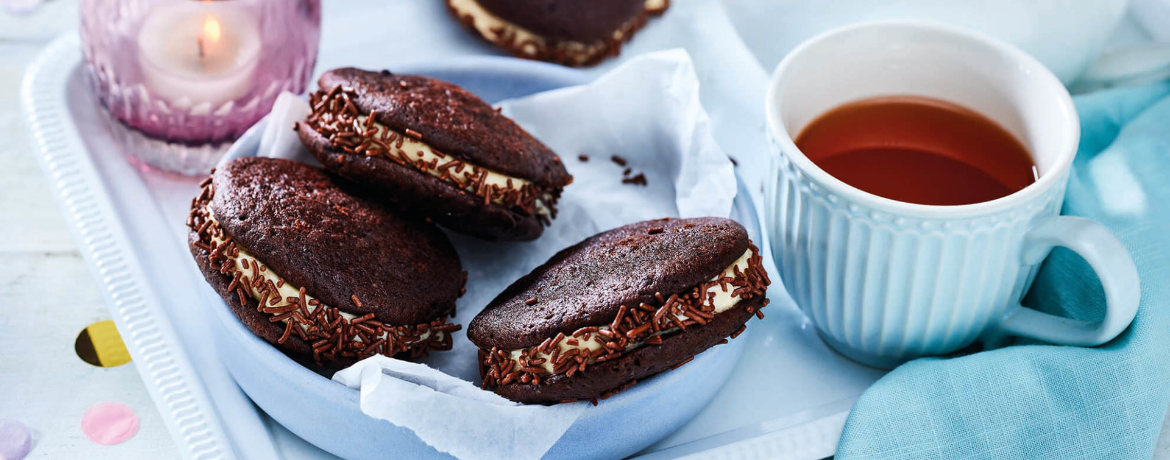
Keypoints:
(568, 32)
(620, 306)
(320, 273)
(434, 149)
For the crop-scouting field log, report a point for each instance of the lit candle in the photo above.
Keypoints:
(194, 52)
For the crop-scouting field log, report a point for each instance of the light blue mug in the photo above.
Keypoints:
(886, 281)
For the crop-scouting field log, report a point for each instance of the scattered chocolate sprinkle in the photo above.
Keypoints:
(531, 301)
(639, 179)
(654, 230)
(733, 162)
(583, 158)
(355, 300)
(412, 134)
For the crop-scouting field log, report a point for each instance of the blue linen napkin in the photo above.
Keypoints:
(1052, 402)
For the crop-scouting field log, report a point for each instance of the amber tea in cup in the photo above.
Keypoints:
(918, 150)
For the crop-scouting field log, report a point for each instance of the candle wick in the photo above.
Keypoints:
(199, 42)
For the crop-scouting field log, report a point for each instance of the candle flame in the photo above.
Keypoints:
(211, 29)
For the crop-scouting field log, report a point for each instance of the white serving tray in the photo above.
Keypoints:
(787, 398)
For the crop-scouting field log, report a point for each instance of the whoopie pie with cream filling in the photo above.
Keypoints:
(567, 32)
(319, 273)
(618, 307)
(431, 148)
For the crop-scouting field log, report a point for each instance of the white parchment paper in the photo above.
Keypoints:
(645, 111)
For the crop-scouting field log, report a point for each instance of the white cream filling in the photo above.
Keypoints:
(496, 29)
(417, 150)
(723, 301)
(244, 263)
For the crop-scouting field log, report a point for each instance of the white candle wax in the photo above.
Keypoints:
(195, 52)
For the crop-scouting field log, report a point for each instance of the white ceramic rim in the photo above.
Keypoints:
(1051, 178)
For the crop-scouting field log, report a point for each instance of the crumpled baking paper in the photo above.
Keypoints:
(646, 112)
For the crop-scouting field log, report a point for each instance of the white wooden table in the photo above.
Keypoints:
(50, 294)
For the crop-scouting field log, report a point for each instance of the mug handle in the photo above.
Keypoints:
(1114, 267)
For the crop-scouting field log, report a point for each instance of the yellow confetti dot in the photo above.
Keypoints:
(100, 344)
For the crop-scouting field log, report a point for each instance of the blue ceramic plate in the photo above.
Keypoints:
(326, 413)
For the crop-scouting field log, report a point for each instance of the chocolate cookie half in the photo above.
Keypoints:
(618, 307)
(568, 32)
(432, 148)
(320, 273)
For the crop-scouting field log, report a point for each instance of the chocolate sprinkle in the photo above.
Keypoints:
(583, 158)
(329, 334)
(618, 160)
(639, 179)
(644, 324)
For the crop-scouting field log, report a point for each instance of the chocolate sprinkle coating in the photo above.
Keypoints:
(452, 120)
(425, 195)
(330, 339)
(297, 220)
(601, 380)
(324, 329)
(246, 311)
(362, 153)
(586, 284)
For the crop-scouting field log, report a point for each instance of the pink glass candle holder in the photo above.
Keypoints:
(184, 78)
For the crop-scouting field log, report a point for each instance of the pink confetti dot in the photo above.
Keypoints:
(15, 440)
(109, 423)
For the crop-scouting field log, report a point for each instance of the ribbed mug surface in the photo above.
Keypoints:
(884, 288)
